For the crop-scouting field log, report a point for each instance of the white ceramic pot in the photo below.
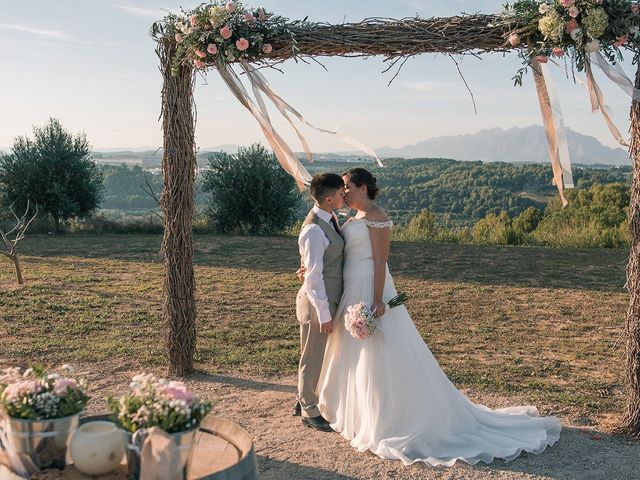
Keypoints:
(97, 447)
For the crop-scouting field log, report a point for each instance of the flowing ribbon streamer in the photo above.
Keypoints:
(553, 128)
(561, 130)
(258, 80)
(617, 75)
(258, 109)
(597, 97)
(282, 151)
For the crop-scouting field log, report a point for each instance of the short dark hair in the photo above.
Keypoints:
(360, 176)
(325, 185)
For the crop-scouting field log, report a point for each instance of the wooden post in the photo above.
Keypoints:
(631, 419)
(178, 206)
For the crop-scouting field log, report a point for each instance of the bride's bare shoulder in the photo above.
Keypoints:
(377, 215)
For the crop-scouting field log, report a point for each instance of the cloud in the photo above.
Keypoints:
(35, 31)
(155, 13)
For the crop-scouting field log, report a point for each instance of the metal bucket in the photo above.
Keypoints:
(185, 442)
(34, 445)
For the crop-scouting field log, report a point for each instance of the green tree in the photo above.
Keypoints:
(54, 170)
(527, 221)
(249, 193)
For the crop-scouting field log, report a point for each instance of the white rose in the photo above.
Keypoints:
(593, 46)
(543, 8)
(576, 33)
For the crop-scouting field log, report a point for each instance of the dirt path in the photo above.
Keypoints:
(287, 450)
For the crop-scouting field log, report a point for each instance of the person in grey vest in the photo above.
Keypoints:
(321, 250)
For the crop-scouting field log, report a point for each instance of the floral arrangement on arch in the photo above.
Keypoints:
(38, 395)
(576, 28)
(221, 32)
(154, 402)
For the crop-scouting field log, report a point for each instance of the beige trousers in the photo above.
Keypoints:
(312, 344)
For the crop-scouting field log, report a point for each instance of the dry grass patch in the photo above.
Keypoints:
(540, 324)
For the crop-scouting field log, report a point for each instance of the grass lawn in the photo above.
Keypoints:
(543, 324)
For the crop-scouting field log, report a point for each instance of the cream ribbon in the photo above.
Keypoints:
(597, 97)
(554, 129)
(258, 109)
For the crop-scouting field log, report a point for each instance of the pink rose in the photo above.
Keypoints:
(242, 44)
(635, 8)
(225, 32)
(250, 19)
(61, 386)
(262, 15)
(573, 11)
(212, 48)
(266, 48)
(198, 63)
(542, 59)
(179, 38)
(200, 53)
(21, 389)
(558, 52)
(193, 20)
(177, 391)
(230, 7)
(571, 25)
(567, 3)
(620, 41)
(514, 39)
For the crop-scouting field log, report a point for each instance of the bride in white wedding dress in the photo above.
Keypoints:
(387, 393)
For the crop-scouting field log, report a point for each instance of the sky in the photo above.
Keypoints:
(92, 64)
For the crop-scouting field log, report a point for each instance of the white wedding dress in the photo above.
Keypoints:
(387, 393)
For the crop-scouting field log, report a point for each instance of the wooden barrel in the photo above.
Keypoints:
(224, 452)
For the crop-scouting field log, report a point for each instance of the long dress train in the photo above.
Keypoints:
(387, 393)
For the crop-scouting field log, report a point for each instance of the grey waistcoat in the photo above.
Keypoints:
(332, 260)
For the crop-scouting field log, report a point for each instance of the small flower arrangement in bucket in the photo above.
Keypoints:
(158, 413)
(40, 412)
(359, 319)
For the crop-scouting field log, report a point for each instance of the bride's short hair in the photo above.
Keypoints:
(360, 176)
(325, 185)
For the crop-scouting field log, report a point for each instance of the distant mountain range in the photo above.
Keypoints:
(527, 144)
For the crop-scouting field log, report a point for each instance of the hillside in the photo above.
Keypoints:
(462, 192)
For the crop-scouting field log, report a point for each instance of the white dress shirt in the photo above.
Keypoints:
(312, 242)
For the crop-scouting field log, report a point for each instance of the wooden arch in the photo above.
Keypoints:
(392, 39)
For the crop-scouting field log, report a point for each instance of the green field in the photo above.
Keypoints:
(543, 324)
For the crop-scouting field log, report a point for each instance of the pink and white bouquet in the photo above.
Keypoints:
(154, 402)
(36, 394)
(359, 319)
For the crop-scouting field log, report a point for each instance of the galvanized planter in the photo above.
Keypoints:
(185, 441)
(35, 445)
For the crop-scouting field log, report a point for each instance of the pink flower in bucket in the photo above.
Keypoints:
(267, 48)
(250, 19)
(200, 53)
(198, 63)
(60, 388)
(514, 39)
(558, 52)
(230, 7)
(177, 391)
(212, 48)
